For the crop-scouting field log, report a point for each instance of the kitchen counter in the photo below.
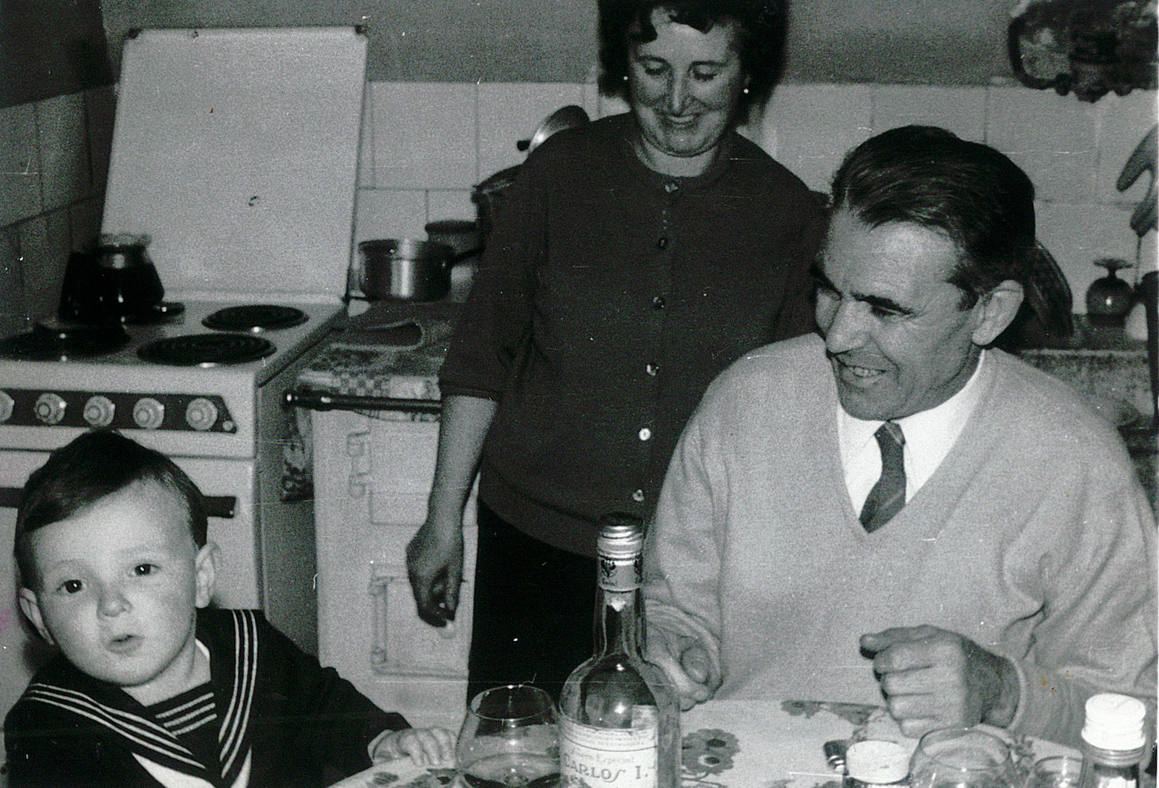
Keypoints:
(390, 352)
(385, 362)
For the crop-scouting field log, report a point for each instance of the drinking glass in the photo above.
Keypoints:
(1057, 771)
(962, 758)
(509, 739)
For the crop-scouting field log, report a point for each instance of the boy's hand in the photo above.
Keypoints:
(424, 746)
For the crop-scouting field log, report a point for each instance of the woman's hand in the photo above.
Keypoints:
(424, 746)
(434, 564)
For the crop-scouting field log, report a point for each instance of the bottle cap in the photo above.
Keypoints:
(1114, 722)
(877, 761)
(621, 536)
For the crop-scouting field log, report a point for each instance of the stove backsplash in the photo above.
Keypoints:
(419, 165)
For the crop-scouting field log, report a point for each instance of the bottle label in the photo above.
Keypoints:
(623, 757)
(619, 574)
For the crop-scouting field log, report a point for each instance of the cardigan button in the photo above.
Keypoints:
(638, 496)
(671, 186)
(662, 242)
(652, 369)
(645, 433)
(658, 302)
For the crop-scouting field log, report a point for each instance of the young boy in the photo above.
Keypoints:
(152, 686)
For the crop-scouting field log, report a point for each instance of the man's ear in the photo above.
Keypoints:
(995, 311)
(31, 609)
(206, 573)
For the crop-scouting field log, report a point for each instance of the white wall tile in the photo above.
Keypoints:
(810, 128)
(1078, 234)
(612, 106)
(591, 99)
(960, 110)
(1123, 121)
(450, 204)
(100, 110)
(1053, 138)
(44, 248)
(509, 112)
(424, 135)
(19, 164)
(84, 222)
(390, 213)
(13, 314)
(64, 149)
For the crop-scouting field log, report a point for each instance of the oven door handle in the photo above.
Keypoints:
(311, 399)
(223, 506)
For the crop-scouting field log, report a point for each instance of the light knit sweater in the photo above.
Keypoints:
(1033, 538)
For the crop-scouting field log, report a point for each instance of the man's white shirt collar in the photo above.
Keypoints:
(929, 436)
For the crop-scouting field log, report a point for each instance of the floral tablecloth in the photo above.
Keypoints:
(746, 744)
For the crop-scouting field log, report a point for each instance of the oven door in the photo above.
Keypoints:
(227, 486)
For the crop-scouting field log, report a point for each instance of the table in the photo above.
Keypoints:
(746, 744)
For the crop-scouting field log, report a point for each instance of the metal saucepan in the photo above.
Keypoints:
(406, 269)
(568, 117)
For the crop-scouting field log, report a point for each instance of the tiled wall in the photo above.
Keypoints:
(53, 163)
(426, 144)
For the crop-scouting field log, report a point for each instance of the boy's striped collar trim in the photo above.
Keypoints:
(149, 739)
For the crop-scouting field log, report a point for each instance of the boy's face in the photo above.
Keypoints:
(118, 586)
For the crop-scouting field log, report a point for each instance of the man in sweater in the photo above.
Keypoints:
(895, 512)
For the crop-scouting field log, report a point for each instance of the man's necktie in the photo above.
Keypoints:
(888, 495)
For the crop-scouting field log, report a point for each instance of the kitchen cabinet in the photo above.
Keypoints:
(372, 476)
(372, 473)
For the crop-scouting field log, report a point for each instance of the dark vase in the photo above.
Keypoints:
(1109, 298)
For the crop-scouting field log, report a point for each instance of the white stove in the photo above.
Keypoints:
(177, 407)
(235, 151)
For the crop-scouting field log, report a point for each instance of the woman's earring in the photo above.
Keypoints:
(745, 91)
(625, 77)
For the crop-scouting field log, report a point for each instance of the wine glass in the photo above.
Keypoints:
(962, 758)
(509, 739)
(1057, 771)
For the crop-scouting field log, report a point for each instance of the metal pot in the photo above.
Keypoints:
(405, 269)
(569, 117)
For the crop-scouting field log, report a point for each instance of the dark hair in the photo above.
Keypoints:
(762, 37)
(92, 467)
(926, 175)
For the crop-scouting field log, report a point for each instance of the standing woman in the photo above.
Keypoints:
(631, 261)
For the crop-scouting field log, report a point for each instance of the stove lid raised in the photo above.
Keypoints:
(236, 151)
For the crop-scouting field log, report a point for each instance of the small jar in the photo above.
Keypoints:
(876, 762)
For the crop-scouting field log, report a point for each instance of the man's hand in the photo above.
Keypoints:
(687, 664)
(932, 678)
(434, 565)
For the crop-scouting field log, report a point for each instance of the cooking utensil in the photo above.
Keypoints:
(461, 235)
(406, 269)
(129, 284)
(488, 195)
(567, 117)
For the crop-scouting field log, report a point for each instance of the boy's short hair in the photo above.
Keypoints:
(90, 468)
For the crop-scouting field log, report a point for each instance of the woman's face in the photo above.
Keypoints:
(684, 86)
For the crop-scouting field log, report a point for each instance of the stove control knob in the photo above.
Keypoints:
(99, 411)
(201, 414)
(50, 408)
(148, 413)
(7, 405)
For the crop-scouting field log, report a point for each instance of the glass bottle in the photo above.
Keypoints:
(876, 762)
(1112, 741)
(619, 721)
